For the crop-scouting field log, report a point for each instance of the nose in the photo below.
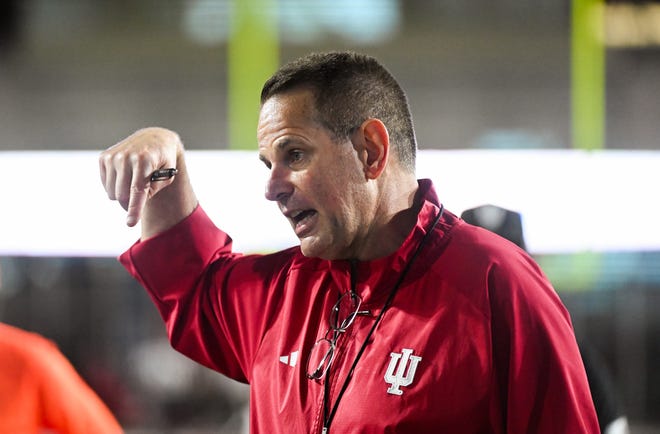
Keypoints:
(278, 186)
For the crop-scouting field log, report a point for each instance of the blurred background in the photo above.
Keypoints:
(481, 75)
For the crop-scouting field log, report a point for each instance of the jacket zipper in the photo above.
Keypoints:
(326, 407)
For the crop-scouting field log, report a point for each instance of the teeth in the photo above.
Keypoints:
(299, 215)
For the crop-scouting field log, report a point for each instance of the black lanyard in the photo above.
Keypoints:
(327, 418)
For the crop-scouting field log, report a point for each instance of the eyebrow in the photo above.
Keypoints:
(286, 141)
(279, 147)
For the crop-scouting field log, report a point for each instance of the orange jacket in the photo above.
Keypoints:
(40, 390)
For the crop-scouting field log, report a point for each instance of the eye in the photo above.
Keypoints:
(295, 156)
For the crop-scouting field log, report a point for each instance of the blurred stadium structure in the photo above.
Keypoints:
(81, 74)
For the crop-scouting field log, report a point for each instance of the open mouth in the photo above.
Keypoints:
(302, 215)
(303, 221)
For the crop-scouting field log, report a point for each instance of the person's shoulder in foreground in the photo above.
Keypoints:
(41, 390)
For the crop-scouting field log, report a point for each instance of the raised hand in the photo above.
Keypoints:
(127, 170)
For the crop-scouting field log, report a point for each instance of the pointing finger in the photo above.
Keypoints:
(138, 199)
(138, 191)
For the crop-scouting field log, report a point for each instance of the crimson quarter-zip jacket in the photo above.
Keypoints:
(476, 339)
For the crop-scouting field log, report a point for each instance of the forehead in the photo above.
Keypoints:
(284, 112)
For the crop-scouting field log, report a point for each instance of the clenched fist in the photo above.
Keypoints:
(126, 172)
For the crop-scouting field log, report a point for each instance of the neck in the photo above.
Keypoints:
(394, 218)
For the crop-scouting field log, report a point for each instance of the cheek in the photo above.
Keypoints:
(336, 188)
(327, 190)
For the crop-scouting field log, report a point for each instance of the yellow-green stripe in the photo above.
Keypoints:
(588, 74)
(253, 55)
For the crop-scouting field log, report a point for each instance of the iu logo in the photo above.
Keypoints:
(401, 378)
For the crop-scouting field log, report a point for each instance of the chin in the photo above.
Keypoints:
(313, 250)
(312, 253)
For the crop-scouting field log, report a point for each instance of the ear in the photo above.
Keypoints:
(376, 147)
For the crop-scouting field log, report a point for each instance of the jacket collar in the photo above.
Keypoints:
(376, 278)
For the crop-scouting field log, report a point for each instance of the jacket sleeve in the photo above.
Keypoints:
(215, 303)
(540, 374)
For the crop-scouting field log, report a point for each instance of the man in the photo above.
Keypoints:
(392, 315)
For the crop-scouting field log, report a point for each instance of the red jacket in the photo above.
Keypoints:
(488, 347)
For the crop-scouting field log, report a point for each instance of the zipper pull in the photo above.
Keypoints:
(324, 430)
